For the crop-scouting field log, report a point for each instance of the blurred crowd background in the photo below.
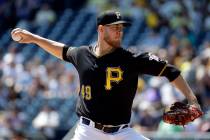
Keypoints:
(38, 92)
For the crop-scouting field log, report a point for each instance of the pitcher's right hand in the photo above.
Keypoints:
(22, 36)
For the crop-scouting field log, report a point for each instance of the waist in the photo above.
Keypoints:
(102, 127)
(120, 116)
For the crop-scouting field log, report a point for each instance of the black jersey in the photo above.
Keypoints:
(108, 83)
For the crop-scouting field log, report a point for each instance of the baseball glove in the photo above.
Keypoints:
(181, 114)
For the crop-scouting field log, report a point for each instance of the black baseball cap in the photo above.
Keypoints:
(110, 18)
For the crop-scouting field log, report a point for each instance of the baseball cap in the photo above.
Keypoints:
(111, 17)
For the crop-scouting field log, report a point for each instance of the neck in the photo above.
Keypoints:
(103, 48)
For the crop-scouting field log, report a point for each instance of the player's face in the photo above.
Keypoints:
(113, 34)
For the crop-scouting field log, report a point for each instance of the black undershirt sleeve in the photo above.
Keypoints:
(171, 72)
(69, 54)
(65, 49)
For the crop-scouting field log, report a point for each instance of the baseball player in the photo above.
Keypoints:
(108, 78)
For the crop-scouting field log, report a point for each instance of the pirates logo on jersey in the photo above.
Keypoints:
(110, 78)
(156, 58)
(153, 57)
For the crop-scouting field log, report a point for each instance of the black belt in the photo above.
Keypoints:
(104, 128)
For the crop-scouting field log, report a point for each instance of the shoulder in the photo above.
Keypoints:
(75, 49)
(135, 52)
(73, 53)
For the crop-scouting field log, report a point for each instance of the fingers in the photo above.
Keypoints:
(24, 36)
(15, 34)
(20, 35)
(19, 30)
(16, 30)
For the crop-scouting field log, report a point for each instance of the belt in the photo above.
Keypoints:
(104, 128)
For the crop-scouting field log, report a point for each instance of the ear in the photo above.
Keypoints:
(100, 28)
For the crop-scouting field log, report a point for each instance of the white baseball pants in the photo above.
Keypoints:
(88, 132)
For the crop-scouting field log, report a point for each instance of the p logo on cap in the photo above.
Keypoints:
(110, 18)
(118, 15)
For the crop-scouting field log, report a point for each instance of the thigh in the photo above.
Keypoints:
(131, 134)
(84, 132)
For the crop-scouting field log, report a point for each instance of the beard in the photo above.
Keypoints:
(115, 43)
